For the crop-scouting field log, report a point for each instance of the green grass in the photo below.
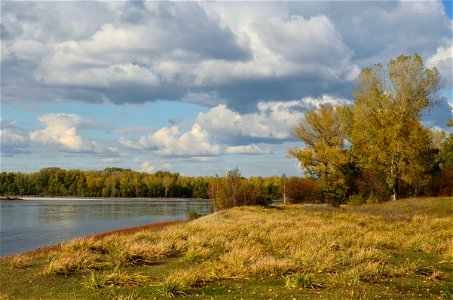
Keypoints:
(400, 250)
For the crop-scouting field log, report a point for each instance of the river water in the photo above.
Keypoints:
(38, 222)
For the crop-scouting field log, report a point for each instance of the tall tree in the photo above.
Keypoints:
(446, 150)
(387, 134)
(325, 156)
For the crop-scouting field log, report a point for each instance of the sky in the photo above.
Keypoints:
(195, 87)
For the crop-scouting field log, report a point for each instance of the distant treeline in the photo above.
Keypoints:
(117, 182)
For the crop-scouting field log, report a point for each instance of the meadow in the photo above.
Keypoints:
(400, 249)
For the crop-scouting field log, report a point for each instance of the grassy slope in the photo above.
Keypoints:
(399, 250)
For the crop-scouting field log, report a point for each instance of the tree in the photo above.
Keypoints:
(325, 157)
(387, 134)
(234, 190)
(446, 150)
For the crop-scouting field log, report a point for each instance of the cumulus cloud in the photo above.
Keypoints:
(174, 142)
(443, 61)
(210, 53)
(248, 149)
(62, 130)
(224, 131)
(147, 167)
(272, 122)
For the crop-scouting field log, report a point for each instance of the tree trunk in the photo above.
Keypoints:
(395, 189)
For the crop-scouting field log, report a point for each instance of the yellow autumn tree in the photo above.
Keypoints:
(387, 134)
(325, 156)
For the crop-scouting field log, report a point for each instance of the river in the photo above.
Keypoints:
(38, 222)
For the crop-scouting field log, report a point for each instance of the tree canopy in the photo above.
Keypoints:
(379, 137)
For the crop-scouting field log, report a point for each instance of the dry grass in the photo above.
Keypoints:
(116, 278)
(309, 246)
(21, 261)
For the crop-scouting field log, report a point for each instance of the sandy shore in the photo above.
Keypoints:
(45, 250)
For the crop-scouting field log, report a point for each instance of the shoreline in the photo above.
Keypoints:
(69, 198)
(128, 230)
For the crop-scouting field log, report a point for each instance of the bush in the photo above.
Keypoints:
(355, 200)
(302, 190)
(373, 185)
(234, 190)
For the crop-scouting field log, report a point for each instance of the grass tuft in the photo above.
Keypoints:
(307, 281)
(66, 263)
(21, 261)
(171, 289)
(116, 278)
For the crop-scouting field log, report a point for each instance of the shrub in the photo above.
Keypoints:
(234, 190)
(302, 190)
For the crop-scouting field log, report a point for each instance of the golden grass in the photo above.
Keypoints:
(116, 278)
(309, 246)
(20, 261)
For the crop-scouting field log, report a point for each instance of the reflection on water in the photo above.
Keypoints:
(27, 225)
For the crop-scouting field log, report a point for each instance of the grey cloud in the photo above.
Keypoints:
(207, 53)
(243, 96)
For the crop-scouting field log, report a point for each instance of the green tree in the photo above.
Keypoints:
(325, 156)
(387, 134)
(446, 150)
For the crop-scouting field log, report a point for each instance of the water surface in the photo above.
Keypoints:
(31, 224)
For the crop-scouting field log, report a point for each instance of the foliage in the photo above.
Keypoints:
(440, 184)
(387, 135)
(234, 190)
(303, 190)
(115, 182)
(325, 157)
(110, 182)
(446, 150)
(378, 146)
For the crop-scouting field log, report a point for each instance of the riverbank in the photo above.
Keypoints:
(400, 250)
(10, 198)
(129, 230)
(49, 222)
(109, 199)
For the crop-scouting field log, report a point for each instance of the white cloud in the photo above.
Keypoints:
(443, 61)
(173, 141)
(62, 130)
(147, 167)
(252, 149)
(274, 120)
(9, 138)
